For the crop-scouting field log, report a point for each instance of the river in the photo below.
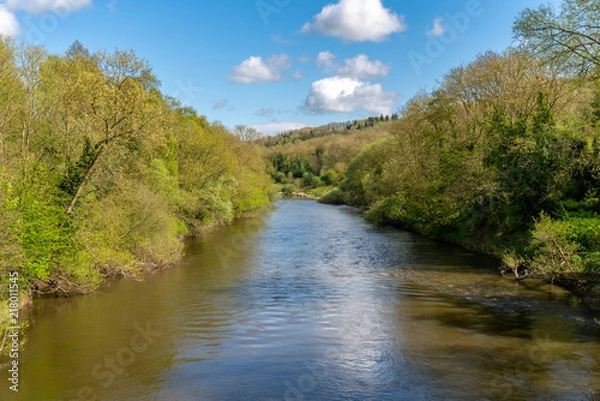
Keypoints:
(310, 302)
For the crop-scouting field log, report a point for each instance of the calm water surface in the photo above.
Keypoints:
(310, 302)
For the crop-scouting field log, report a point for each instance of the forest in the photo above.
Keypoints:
(101, 175)
(502, 156)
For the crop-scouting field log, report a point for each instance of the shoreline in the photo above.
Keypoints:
(585, 286)
(52, 288)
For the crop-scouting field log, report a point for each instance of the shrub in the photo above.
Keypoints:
(391, 210)
(330, 178)
(334, 197)
(307, 179)
(289, 189)
(553, 249)
(280, 177)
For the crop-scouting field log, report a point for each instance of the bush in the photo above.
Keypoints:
(330, 178)
(307, 179)
(316, 182)
(280, 178)
(391, 210)
(334, 197)
(45, 233)
(289, 189)
(553, 248)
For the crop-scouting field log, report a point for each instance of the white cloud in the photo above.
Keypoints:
(220, 104)
(281, 40)
(356, 21)
(277, 127)
(346, 95)
(42, 6)
(255, 70)
(325, 59)
(363, 68)
(438, 28)
(298, 75)
(265, 112)
(9, 26)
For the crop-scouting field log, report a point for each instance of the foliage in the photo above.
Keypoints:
(102, 175)
(554, 250)
(391, 210)
(567, 37)
(496, 158)
(331, 151)
(330, 178)
(333, 197)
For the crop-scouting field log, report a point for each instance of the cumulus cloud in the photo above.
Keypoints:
(325, 59)
(438, 28)
(347, 95)
(363, 68)
(255, 70)
(221, 104)
(9, 26)
(42, 6)
(277, 127)
(356, 21)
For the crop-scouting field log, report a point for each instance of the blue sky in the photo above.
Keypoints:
(278, 64)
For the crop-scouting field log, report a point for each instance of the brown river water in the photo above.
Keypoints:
(310, 302)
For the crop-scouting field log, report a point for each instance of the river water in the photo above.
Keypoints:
(310, 302)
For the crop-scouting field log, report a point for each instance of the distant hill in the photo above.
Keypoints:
(322, 149)
(308, 133)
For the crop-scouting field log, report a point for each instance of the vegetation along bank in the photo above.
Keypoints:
(502, 157)
(101, 175)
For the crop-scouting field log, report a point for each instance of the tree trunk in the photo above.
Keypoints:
(87, 175)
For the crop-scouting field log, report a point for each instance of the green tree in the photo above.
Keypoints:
(568, 37)
(246, 133)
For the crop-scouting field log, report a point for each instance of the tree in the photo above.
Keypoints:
(12, 95)
(108, 99)
(12, 105)
(31, 59)
(78, 50)
(568, 38)
(247, 134)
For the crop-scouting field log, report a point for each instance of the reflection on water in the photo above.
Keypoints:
(312, 303)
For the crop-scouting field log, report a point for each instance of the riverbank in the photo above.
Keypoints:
(586, 286)
(57, 288)
(315, 300)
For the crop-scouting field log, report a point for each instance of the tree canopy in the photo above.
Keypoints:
(567, 36)
(101, 174)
